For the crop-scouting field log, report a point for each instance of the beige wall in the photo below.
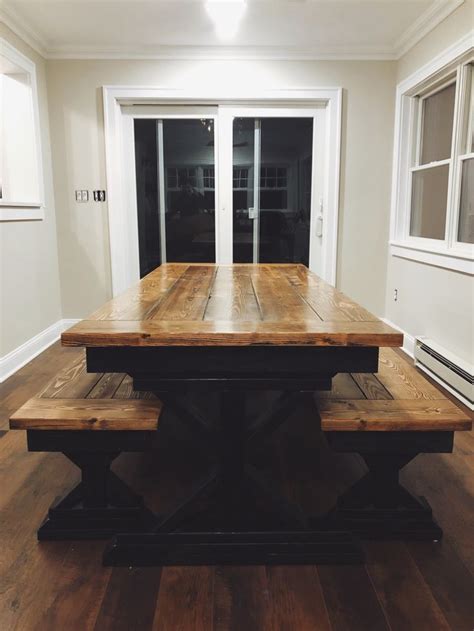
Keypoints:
(434, 302)
(29, 275)
(75, 101)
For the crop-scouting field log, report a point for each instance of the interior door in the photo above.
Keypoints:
(277, 209)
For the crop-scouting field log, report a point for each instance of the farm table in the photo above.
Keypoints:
(228, 330)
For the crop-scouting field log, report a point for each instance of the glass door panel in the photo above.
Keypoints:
(272, 189)
(175, 187)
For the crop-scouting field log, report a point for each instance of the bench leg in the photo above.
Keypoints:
(377, 506)
(101, 504)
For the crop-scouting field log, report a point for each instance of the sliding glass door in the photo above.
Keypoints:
(175, 190)
(225, 184)
(272, 189)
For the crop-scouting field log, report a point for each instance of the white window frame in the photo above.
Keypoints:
(452, 65)
(17, 209)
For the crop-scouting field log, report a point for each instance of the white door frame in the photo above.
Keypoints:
(117, 96)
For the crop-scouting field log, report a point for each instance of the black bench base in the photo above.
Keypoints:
(243, 548)
(101, 504)
(378, 506)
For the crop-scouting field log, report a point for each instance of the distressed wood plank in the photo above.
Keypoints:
(371, 386)
(88, 414)
(72, 382)
(391, 415)
(230, 333)
(402, 380)
(188, 298)
(330, 304)
(232, 296)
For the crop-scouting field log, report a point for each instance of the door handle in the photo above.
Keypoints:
(253, 213)
(319, 226)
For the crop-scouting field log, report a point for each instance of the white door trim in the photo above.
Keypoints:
(116, 96)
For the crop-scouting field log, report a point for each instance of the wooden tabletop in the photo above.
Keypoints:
(181, 304)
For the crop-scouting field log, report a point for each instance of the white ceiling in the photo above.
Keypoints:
(295, 29)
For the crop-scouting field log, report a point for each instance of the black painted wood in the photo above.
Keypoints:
(377, 506)
(266, 548)
(237, 361)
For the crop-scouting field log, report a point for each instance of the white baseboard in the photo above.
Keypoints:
(21, 355)
(408, 340)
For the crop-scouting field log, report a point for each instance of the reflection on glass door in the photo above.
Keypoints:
(175, 185)
(272, 181)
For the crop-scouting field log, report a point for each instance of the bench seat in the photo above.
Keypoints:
(88, 414)
(91, 418)
(397, 398)
(388, 418)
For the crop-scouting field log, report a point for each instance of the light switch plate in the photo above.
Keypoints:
(82, 196)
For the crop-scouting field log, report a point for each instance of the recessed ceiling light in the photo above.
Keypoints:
(226, 15)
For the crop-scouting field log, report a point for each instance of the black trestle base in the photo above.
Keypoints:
(233, 548)
(234, 515)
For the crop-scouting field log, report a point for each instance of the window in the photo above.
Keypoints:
(434, 188)
(241, 178)
(21, 188)
(208, 178)
(273, 177)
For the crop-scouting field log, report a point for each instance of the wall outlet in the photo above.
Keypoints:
(99, 196)
(395, 295)
(82, 196)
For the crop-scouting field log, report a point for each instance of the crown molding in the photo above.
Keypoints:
(230, 53)
(24, 31)
(425, 23)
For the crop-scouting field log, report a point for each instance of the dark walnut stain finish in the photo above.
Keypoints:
(235, 305)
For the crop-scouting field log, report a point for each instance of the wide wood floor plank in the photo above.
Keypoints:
(240, 598)
(130, 600)
(351, 599)
(296, 600)
(185, 599)
(450, 582)
(80, 589)
(406, 598)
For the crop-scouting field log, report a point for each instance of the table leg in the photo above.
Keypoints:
(233, 516)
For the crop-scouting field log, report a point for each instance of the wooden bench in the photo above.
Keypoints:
(91, 418)
(388, 418)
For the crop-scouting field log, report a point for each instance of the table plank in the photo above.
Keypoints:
(232, 305)
(230, 333)
(232, 296)
(329, 303)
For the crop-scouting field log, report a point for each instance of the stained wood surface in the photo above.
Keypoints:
(211, 305)
(62, 585)
(396, 398)
(77, 400)
(89, 414)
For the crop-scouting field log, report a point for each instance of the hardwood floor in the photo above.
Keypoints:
(62, 586)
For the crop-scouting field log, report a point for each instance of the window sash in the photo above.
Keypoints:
(410, 143)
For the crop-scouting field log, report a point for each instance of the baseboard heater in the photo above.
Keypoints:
(456, 375)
